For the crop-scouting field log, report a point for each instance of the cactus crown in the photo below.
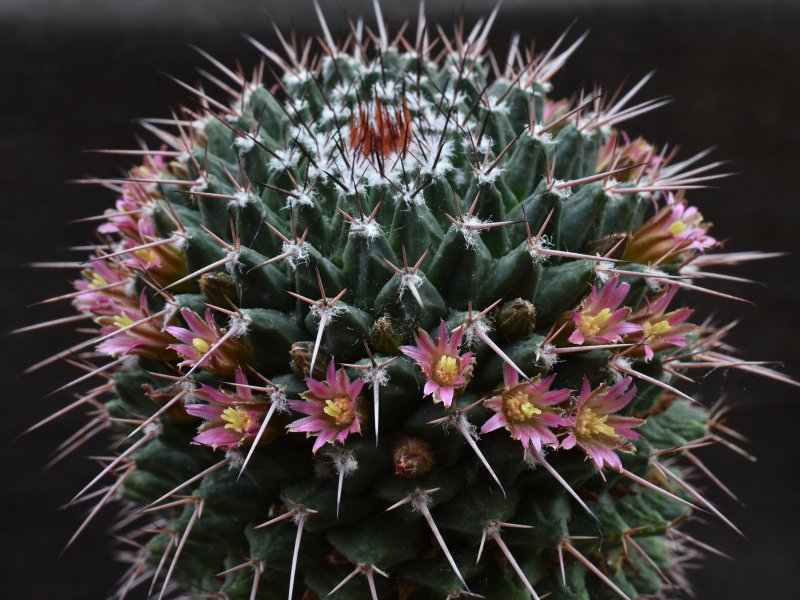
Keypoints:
(397, 311)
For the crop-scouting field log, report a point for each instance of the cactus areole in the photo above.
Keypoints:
(396, 323)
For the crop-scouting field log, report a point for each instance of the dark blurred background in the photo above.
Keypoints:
(74, 75)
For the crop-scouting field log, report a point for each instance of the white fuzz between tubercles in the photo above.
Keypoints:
(279, 401)
(470, 229)
(232, 263)
(603, 273)
(296, 254)
(200, 185)
(537, 256)
(328, 311)
(410, 282)
(491, 177)
(244, 143)
(344, 461)
(475, 331)
(618, 375)
(655, 285)
(546, 356)
(366, 228)
(235, 459)
(284, 158)
(238, 324)
(561, 192)
(243, 197)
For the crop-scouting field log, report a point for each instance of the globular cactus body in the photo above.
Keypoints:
(398, 312)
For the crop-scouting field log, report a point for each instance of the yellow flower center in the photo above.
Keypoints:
(122, 320)
(147, 255)
(591, 325)
(655, 329)
(590, 424)
(518, 408)
(237, 419)
(447, 371)
(200, 345)
(677, 228)
(97, 281)
(340, 410)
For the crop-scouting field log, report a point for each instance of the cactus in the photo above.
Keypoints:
(401, 325)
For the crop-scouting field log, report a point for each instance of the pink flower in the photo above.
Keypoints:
(104, 288)
(230, 419)
(674, 229)
(661, 329)
(600, 320)
(202, 337)
(525, 410)
(331, 406)
(134, 330)
(445, 368)
(596, 430)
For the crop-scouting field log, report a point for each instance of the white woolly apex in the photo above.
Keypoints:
(621, 361)
(297, 76)
(244, 143)
(200, 185)
(199, 125)
(602, 271)
(474, 330)
(278, 399)
(470, 229)
(131, 287)
(344, 461)
(409, 281)
(302, 197)
(365, 227)
(463, 425)
(376, 376)
(561, 192)
(497, 105)
(171, 310)
(235, 459)
(232, 264)
(417, 200)
(243, 197)
(284, 158)
(331, 311)
(546, 356)
(537, 256)
(655, 285)
(484, 144)
(538, 133)
(491, 176)
(296, 254)
(152, 428)
(239, 324)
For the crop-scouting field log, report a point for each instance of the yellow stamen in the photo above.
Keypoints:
(148, 255)
(340, 410)
(518, 408)
(655, 329)
(447, 371)
(238, 420)
(590, 424)
(97, 281)
(200, 345)
(122, 320)
(678, 227)
(591, 325)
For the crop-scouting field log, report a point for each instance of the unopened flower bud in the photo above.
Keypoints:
(219, 288)
(385, 337)
(516, 318)
(301, 354)
(412, 457)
